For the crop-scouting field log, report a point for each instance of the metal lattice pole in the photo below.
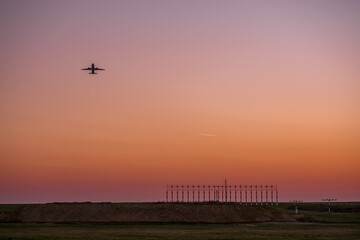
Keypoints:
(256, 193)
(193, 187)
(226, 190)
(172, 193)
(177, 193)
(245, 194)
(182, 193)
(187, 193)
(198, 194)
(222, 193)
(251, 192)
(235, 193)
(241, 189)
(209, 194)
(230, 193)
(214, 193)
(266, 187)
(204, 190)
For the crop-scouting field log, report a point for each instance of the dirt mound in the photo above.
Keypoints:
(145, 213)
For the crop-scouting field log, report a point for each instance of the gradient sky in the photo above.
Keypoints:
(259, 92)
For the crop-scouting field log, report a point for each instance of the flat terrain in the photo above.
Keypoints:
(314, 222)
(180, 231)
(348, 212)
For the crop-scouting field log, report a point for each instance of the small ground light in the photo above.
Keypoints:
(329, 200)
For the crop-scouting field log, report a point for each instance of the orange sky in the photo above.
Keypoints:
(254, 91)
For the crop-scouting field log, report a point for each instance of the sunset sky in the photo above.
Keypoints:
(259, 92)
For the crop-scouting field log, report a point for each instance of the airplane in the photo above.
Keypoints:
(92, 69)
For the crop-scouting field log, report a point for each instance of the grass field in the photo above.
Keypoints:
(179, 231)
(9, 207)
(341, 224)
(315, 212)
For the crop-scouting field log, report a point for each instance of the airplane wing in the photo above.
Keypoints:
(86, 69)
(98, 69)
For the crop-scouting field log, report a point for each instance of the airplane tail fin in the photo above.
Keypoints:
(92, 73)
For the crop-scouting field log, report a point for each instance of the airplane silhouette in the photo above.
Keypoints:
(92, 69)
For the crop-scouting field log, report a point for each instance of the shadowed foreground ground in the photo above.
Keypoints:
(316, 223)
(180, 231)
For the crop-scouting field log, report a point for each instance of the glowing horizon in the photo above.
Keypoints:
(256, 92)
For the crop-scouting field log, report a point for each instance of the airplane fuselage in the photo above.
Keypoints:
(92, 68)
